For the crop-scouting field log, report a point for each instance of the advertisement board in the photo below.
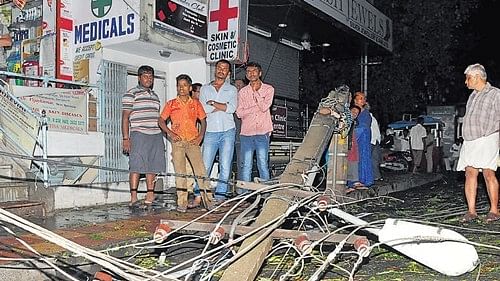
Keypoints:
(188, 17)
(66, 111)
(223, 30)
(279, 116)
(19, 125)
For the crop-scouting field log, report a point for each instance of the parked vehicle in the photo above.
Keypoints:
(400, 161)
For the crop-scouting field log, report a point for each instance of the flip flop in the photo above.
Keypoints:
(349, 190)
(491, 217)
(469, 217)
(133, 205)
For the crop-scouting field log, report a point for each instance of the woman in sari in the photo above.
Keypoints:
(363, 138)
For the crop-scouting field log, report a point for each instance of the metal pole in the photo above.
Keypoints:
(44, 150)
(365, 70)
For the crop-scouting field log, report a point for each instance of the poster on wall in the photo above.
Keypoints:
(48, 17)
(66, 110)
(185, 16)
(5, 15)
(81, 71)
(48, 39)
(21, 126)
(64, 29)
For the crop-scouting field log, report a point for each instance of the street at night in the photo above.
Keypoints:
(249, 140)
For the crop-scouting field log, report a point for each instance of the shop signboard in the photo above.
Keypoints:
(279, 116)
(188, 17)
(360, 16)
(223, 30)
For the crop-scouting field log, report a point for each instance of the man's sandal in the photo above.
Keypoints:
(469, 217)
(196, 203)
(181, 209)
(491, 217)
(135, 204)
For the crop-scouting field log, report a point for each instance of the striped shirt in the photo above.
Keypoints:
(482, 114)
(144, 105)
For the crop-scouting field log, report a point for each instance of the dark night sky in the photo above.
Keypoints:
(484, 25)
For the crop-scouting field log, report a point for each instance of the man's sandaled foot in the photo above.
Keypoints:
(135, 204)
(349, 190)
(492, 217)
(196, 203)
(181, 209)
(469, 217)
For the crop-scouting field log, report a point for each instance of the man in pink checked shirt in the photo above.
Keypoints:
(254, 103)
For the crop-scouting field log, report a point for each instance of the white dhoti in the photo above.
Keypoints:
(481, 153)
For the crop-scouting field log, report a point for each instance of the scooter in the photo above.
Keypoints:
(400, 161)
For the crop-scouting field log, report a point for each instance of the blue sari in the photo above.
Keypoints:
(363, 137)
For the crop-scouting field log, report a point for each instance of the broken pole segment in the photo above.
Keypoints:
(305, 158)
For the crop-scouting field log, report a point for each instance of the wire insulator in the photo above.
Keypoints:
(302, 242)
(217, 235)
(161, 232)
(362, 246)
(323, 202)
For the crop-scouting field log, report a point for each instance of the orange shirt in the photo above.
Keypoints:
(183, 116)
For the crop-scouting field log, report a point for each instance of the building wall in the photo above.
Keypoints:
(280, 65)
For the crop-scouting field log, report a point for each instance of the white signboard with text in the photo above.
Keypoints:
(19, 124)
(66, 110)
(100, 23)
(360, 16)
(223, 30)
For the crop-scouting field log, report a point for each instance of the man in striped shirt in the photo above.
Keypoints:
(142, 138)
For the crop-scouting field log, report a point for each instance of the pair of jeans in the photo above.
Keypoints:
(258, 144)
(222, 142)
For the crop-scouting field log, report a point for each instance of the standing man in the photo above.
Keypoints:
(195, 93)
(417, 143)
(186, 137)
(429, 150)
(479, 150)
(142, 138)
(219, 100)
(254, 103)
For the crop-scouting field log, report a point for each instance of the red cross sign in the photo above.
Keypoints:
(224, 14)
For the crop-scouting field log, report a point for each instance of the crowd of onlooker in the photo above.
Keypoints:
(368, 147)
(222, 116)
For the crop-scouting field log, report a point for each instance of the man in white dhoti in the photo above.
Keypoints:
(479, 151)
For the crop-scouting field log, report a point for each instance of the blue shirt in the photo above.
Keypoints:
(219, 121)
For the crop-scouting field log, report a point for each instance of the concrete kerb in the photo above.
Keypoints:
(404, 182)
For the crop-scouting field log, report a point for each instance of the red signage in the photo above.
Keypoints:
(223, 14)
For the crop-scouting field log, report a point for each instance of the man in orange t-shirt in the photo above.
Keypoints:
(183, 112)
